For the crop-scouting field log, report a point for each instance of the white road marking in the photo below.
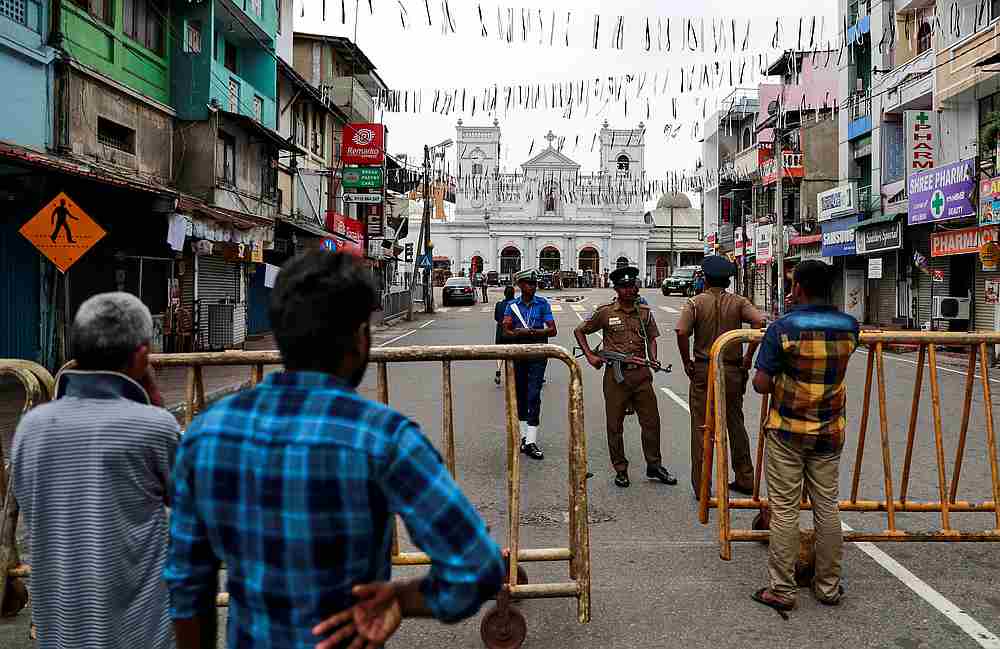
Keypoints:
(486, 309)
(983, 637)
(442, 309)
(940, 369)
(467, 309)
(577, 307)
(980, 634)
(428, 323)
(557, 307)
(669, 309)
(408, 333)
(676, 397)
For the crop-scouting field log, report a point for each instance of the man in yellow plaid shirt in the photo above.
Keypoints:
(803, 363)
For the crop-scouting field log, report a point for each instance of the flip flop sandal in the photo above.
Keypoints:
(781, 607)
(832, 601)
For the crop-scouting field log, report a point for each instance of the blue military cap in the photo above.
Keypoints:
(530, 276)
(718, 266)
(624, 277)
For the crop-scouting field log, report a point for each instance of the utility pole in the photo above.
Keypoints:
(670, 266)
(426, 228)
(779, 202)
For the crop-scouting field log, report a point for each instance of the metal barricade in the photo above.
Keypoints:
(503, 626)
(38, 387)
(716, 444)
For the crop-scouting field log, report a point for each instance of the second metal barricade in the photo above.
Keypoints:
(716, 444)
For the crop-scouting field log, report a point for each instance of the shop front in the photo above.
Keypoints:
(221, 253)
(879, 241)
(849, 283)
(965, 299)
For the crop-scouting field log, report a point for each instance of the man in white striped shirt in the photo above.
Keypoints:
(91, 475)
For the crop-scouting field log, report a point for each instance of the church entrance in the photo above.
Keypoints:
(549, 259)
(510, 260)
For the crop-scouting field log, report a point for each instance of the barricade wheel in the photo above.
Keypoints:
(503, 628)
(16, 597)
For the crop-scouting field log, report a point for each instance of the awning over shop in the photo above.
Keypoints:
(308, 227)
(263, 132)
(878, 218)
(88, 169)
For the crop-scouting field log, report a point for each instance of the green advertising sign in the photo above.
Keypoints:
(362, 177)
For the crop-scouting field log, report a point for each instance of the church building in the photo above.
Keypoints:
(547, 215)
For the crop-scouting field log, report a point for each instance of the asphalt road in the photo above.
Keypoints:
(657, 578)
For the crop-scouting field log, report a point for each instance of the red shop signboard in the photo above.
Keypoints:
(351, 232)
(363, 144)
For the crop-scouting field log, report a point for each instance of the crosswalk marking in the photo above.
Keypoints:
(466, 309)
(577, 307)
(669, 309)
(556, 307)
(486, 309)
(443, 309)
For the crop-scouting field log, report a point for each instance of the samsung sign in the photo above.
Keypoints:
(840, 201)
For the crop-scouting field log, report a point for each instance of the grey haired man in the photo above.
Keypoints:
(91, 475)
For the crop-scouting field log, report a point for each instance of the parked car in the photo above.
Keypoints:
(505, 280)
(493, 278)
(458, 289)
(681, 281)
(545, 280)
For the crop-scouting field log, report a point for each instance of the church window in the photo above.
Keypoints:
(623, 165)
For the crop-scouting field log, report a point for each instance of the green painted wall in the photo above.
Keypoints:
(106, 49)
(198, 78)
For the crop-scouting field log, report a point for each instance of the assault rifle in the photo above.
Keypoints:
(618, 361)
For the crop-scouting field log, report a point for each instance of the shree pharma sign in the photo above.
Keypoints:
(942, 193)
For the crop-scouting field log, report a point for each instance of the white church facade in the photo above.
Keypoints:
(548, 215)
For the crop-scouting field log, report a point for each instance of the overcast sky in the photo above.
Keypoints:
(419, 56)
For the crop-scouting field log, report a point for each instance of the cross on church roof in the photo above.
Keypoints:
(550, 137)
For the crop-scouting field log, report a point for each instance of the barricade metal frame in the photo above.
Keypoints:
(39, 387)
(503, 626)
(716, 444)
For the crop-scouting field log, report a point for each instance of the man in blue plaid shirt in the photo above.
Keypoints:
(293, 485)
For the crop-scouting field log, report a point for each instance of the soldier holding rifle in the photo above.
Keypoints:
(628, 328)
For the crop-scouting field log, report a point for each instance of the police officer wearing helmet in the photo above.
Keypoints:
(529, 319)
(628, 328)
(706, 317)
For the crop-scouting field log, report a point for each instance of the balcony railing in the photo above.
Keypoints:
(859, 10)
(865, 195)
(860, 105)
(349, 95)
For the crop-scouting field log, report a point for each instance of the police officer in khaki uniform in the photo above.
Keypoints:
(628, 328)
(707, 316)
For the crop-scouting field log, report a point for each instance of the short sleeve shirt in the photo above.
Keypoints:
(536, 315)
(711, 314)
(626, 331)
(806, 353)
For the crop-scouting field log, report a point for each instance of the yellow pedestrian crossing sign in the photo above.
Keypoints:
(62, 231)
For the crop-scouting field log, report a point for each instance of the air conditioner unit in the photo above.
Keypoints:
(951, 308)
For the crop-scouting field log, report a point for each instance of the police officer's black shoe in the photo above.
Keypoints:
(532, 451)
(661, 474)
(621, 479)
(497, 379)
